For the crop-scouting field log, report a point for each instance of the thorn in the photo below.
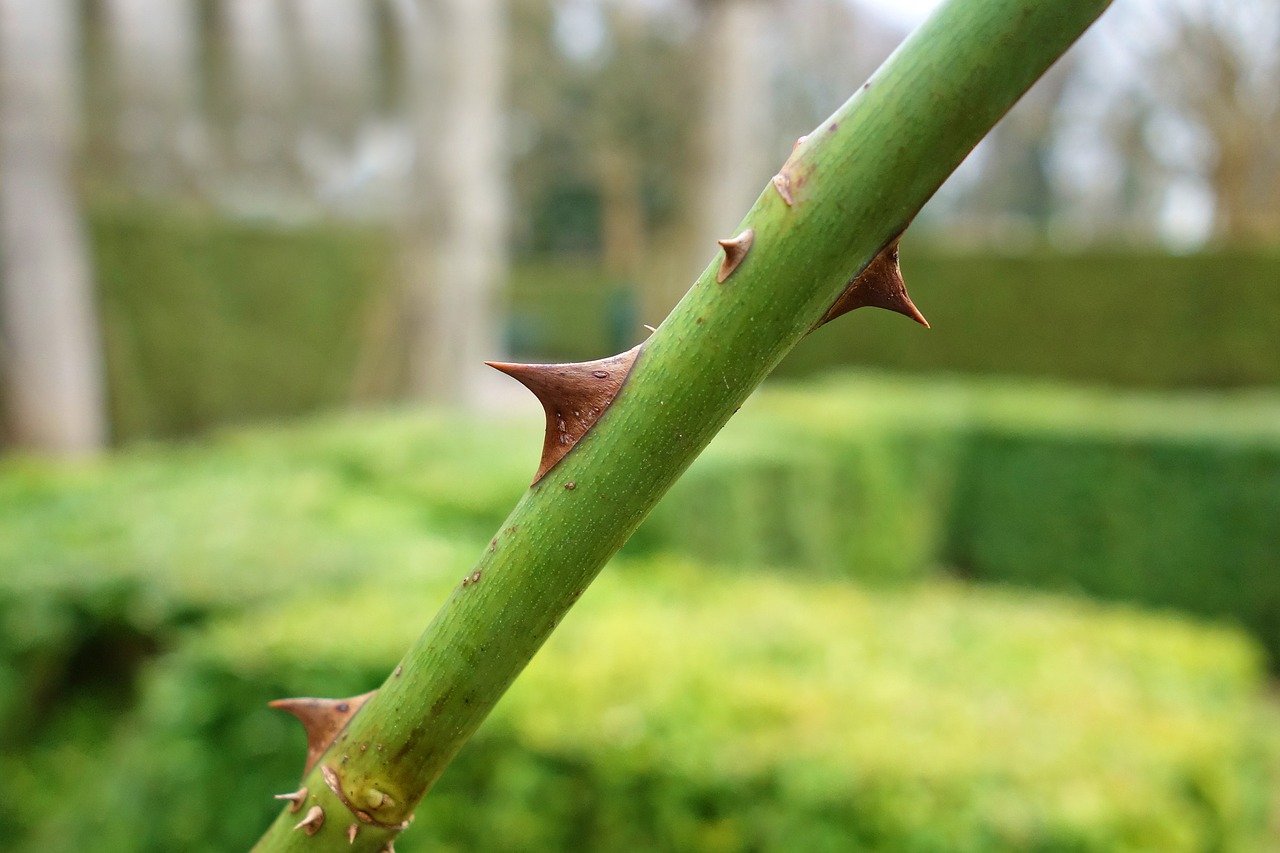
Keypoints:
(574, 397)
(352, 831)
(782, 183)
(391, 847)
(880, 285)
(650, 328)
(798, 143)
(735, 250)
(322, 719)
(312, 822)
(296, 799)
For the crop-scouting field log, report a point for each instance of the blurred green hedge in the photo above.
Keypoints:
(210, 322)
(681, 708)
(1131, 319)
(207, 321)
(140, 628)
(1167, 502)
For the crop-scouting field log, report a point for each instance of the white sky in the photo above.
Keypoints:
(908, 12)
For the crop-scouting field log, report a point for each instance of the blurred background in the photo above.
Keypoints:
(1010, 583)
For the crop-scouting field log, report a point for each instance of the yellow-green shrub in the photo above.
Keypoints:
(684, 708)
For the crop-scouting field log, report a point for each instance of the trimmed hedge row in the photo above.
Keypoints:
(1132, 319)
(1164, 501)
(209, 322)
(1171, 503)
(680, 708)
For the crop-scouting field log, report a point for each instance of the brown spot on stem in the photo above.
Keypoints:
(782, 183)
(880, 285)
(735, 250)
(571, 485)
(296, 799)
(312, 822)
(574, 397)
(323, 720)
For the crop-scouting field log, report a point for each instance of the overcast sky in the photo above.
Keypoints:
(908, 12)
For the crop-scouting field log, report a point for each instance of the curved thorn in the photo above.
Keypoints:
(782, 183)
(574, 397)
(296, 798)
(735, 250)
(880, 285)
(312, 822)
(322, 719)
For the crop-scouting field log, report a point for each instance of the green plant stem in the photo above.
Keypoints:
(856, 183)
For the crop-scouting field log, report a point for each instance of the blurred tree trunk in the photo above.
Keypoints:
(622, 219)
(735, 154)
(263, 94)
(336, 57)
(155, 60)
(52, 351)
(455, 242)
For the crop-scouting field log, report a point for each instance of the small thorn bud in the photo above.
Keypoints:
(352, 831)
(880, 285)
(782, 183)
(376, 799)
(735, 250)
(312, 822)
(296, 799)
(390, 848)
(322, 719)
(574, 397)
(650, 328)
(798, 143)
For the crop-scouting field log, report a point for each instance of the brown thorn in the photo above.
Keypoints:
(782, 183)
(312, 822)
(880, 285)
(352, 831)
(574, 397)
(296, 799)
(323, 719)
(735, 250)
